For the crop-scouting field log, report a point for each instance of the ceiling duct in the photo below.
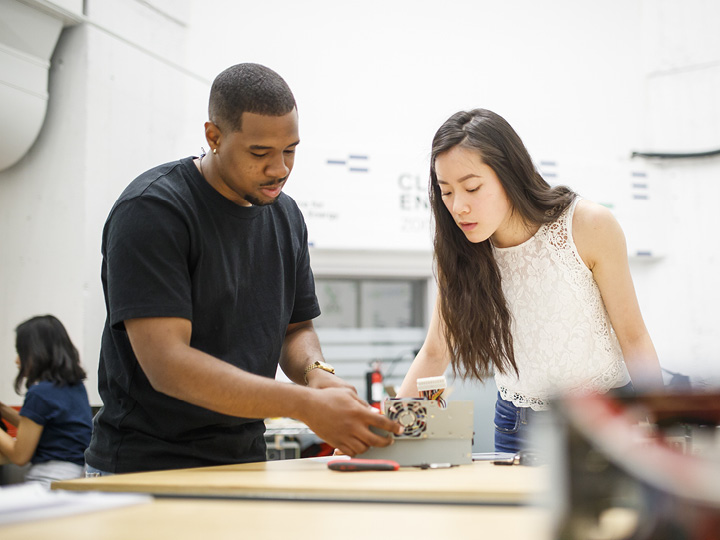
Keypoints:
(29, 31)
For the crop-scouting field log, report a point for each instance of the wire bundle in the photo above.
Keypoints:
(433, 388)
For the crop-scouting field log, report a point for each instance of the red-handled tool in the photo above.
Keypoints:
(363, 465)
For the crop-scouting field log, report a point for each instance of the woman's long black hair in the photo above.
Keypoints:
(475, 316)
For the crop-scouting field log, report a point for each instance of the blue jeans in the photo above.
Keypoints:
(513, 424)
(91, 472)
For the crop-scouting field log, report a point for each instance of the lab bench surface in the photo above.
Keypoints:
(185, 519)
(310, 479)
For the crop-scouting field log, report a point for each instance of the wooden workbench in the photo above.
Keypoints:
(191, 519)
(305, 500)
(310, 480)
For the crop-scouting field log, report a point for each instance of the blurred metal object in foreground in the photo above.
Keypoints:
(636, 468)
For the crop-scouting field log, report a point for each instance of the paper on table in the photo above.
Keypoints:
(26, 502)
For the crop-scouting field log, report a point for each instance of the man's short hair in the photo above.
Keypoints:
(248, 88)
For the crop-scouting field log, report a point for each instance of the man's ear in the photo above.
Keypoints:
(212, 135)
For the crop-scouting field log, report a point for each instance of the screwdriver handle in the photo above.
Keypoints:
(363, 465)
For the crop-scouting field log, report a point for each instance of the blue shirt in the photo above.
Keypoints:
(66, 417)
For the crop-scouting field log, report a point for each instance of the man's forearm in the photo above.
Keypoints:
(300, 349)
(203, 380)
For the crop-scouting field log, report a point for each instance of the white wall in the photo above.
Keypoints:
(121, 100)
(584, 84)
(680, 112)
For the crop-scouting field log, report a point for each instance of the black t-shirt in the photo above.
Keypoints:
(174, 247)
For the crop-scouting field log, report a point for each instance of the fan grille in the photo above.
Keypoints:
(409, 414)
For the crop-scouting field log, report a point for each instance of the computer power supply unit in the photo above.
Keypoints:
(433, 435)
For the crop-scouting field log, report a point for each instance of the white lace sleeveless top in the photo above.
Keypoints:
(562, 335)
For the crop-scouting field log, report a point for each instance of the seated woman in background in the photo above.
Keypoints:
(534, 284)
(55, 422)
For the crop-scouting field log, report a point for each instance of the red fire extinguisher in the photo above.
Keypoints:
(376, 390)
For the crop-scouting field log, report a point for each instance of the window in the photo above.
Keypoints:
(371, 323)
(371, 303)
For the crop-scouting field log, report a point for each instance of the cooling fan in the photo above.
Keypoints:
(410, 414)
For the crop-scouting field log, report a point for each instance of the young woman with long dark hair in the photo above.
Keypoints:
(55, 422)
(534, 285)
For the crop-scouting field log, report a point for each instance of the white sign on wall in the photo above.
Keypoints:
(361, 200)
(627, 188)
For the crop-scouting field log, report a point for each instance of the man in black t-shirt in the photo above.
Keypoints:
(208, 287)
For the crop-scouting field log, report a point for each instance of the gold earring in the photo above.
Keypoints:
(214, 150)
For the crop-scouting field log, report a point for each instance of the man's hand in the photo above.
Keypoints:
(341, 419)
